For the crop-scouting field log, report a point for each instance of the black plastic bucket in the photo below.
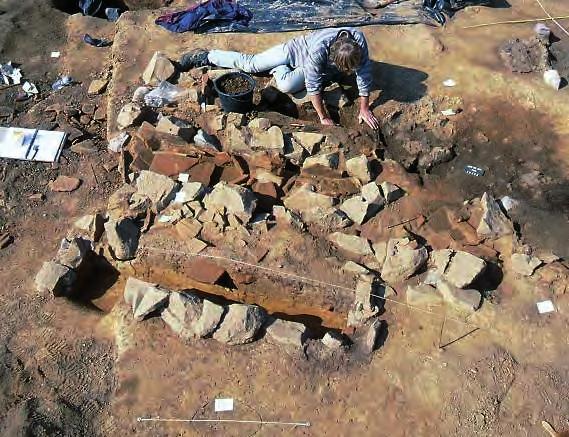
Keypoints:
(242, 102)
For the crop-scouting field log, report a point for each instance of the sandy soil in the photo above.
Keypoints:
(86, 368)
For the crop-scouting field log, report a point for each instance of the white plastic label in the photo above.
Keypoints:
(223, 405)
(545, 306)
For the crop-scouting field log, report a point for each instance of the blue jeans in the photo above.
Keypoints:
(276, 60)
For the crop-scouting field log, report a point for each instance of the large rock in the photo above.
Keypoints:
(351, 243)
(494, 223)
(55, 278)
(327, 160)
(144, 298)
(466, 301)
(403, 260)
(287, 333)
(129, 115)
(358, 167)
(440, 259)
(72, 252)
(92, 226)
(464, 269)
(122, 236)
(270, 139)
(175, 126)
(234, 199)
(241, 324)
(310, 205)
(333, 340)
(371, 194)
(158, 70)
(64, 184)
(309, 140)
(423, 295)
(183, 310)
(97, 86)
(354, 268)
(358, 209)
(380, 251)
(391, 192)
(158, 188)
(290, 218)
(524, 264)
(370, 340)
(260, 123)
(191, 191)
(366, 286)
(209, 319)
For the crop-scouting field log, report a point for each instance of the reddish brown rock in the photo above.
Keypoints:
(142, 160)
(100, 114)
(395, 173)
(64, 184)
(267, 194)
(270, 161)
(204, 271)
(231, 173)
(242, 278)
(203, 172)
(222, 158)
(155, 140)
(171, 164)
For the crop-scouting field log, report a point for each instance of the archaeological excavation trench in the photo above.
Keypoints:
(244, 219)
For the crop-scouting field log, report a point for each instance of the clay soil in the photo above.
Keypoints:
(85, 368)
(234, 85)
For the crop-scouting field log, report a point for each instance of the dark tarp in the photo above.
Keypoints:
(291, 15)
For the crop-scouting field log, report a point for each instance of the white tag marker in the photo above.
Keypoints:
(545, 306)
(223, 405)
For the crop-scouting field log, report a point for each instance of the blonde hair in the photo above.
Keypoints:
(345, 52)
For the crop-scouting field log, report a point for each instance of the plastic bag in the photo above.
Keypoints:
(165, 94)
(62, 82)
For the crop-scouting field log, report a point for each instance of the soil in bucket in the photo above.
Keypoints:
(234, 85)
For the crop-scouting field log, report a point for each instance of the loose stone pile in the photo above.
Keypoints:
(223, 178)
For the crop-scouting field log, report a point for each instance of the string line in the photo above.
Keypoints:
(256, 422)
(299, 278)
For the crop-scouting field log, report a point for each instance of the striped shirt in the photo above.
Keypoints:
(311, 52)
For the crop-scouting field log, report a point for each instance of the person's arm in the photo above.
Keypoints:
(364, 79)
(318, 104)
(313, 77)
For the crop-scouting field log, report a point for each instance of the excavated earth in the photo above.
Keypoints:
(83, 366)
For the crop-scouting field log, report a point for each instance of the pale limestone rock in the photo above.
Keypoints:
(402, 260)
(358, 167)
(494, 223)
(524, 264)
(351, 243)
(159, 69)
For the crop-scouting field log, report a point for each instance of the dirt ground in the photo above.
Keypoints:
(86, 368)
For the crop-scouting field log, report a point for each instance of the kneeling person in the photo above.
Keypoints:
(304, 62)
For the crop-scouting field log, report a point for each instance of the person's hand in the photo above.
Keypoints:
(370, 119)
(327, 121)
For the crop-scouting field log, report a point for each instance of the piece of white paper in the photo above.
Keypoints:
(449, 83)
(55, 54)
(448, 112)
(545, 306)
(31, 145)
(184, 177)
(223, 405)
(30, 89)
